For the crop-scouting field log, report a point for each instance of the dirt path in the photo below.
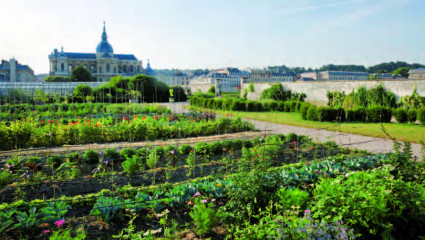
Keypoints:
(119, 145)
(372, 144)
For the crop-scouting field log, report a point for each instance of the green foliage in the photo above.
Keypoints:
(54, 211)
(402, 71)
(6, 219)
(127, 152)
(80, 234)
(204, 216)
(251, 88)
(312, 113)
(389, 67)
(201, 148)
(295, 197)
(112, 154)
(107, 207)
(372, 202)
(412, 114)
(153, 159)
(5, 178)
(179, 94)
(57, 79)
(27, 221)
(400, 115)
(74, 157)
(211, 90)
(82, 90)
(34, 160)
(185, 149)
(214, 148)
(326, 114)
(378, 114)
(412, 101)
(421, 116)
(81, 74)
(159, 151)
(91, 156)
(276, 92)
(54, 161)
(131, 164)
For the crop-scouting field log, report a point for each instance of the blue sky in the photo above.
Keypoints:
(218, 33)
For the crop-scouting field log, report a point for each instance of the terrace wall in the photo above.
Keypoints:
(316, 91)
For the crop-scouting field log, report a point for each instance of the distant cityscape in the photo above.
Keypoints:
(105, 64)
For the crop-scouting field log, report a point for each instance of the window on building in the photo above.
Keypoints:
(69, 68)
(18, 77)
(115, 70)
(108, 68)
(62, 67)
(100, 69)
(138, 69)
(124, 68)
(131, 68)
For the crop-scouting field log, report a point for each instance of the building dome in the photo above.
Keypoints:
(104, 46)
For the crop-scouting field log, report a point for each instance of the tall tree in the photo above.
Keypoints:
(81, 74)
(402, 71)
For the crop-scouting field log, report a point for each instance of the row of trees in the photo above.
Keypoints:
(396, 68)
(78, 74)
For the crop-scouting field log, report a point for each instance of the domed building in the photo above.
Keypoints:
(103, 64)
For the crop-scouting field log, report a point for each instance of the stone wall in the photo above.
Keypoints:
(200, 87)
(316, 91)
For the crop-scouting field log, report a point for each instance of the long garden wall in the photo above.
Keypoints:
(316, 91)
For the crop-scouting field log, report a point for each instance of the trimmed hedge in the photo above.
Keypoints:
(421, 116)
(412, 115)
(400, 115)
(378, 114)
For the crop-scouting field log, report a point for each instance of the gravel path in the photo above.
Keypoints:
(372, 144)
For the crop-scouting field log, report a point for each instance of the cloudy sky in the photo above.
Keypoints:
(218, 33)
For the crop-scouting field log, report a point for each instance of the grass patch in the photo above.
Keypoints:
(402, 132)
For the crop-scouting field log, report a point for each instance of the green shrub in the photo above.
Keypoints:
(293, 106)
(210, 103)
(412, 115)
(265, 106)
(54, 161)
(247, 144)
(421, 116)
(258, 141)
(74, 157)
(179, 94)
(400, 115)
(303, 110)
(251, 87)
(227, 144)
(250, 106)
(218, 103)
(5, 178)
(185, 149)
(204, 216)
(359, 114)
(312, 113)
(91, 156)
(34, 160)
(201, 148)
(293, 197)
(127, 152)
(215, 148)
(159, 151)
(273, 106)
(131, 164)
(378, 114)
(142, 153)
(170, 149)
(227, 102)
(112, 154)
(258, 106)
(280, 106)
(326, 114)
(237, 144)
(287, 106)
(340, 114)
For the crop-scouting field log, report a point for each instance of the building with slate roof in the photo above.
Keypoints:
(104, 64)
(12, 71)
(335, 76)
(417, 74)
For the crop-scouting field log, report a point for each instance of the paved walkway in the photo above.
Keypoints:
(372, 144)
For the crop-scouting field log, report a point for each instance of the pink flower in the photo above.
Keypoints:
(59, 223)
(204, 201)
(319, 171)
(197, 194)
(46, 231)
(307, 211)
(185, 213)
(213, 200)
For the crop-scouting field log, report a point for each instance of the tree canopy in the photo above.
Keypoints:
(402, 71)
(81, 74)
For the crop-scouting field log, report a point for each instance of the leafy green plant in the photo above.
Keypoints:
(91, 156)
(54, 161)
(127, 152)
(61, 234)
(131, 165)
(204, 216)
(6, 219)
(293, 198)
(214, 148)
(185, 149)
(201, 148)
(74, 157)
(27, 221)
(107, 207)
(113, 154)
(54, 211)
(5, 178)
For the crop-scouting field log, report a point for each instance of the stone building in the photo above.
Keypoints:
(256, 76)
(334, 76)
(104, 64)
(229, 78)
(417, 74)
(12, 71)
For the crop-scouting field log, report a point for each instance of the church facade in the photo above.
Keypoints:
(104, 64)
